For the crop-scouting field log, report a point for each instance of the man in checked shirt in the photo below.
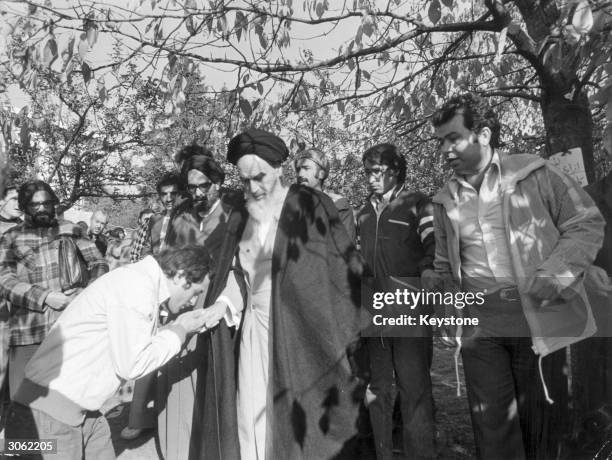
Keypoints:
(29, 272)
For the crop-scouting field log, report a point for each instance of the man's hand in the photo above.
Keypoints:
(57, 300)
(431, 281)
(192, 320)
(448, 336)
(214, 314)
(544, 286)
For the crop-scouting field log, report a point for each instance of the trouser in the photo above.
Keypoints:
(141, 415)
(90, 440)
(18, 358)
(4, 359)
(511, 418)
(409, 361)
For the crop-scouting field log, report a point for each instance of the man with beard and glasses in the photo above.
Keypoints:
(312, 168)
(199, 220)
(284, 264)
(30, 274)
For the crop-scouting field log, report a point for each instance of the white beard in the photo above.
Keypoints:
(258, 210)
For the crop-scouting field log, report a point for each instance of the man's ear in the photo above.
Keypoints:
(179, 278)
(484, 136)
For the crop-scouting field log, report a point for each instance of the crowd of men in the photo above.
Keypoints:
(245, 315)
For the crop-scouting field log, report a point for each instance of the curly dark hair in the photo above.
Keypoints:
(192, 260)
(27, 191)
(170, 178)
(387, 154)
(477, 114)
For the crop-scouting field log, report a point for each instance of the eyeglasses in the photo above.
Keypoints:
(38, 204)
(376, 172)
(203, 187)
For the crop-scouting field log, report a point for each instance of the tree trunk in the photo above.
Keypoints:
(568, 124)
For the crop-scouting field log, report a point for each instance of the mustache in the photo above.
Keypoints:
(47, 214)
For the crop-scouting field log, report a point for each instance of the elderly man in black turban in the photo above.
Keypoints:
(288, 278)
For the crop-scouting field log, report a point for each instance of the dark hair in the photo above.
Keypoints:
(190, 151)
(145, 211)
(207, 166)
(477, 114)
(387, 154)
(27, 191)
(192, 259)
(170, 178)
(7, 189)
(116, 232)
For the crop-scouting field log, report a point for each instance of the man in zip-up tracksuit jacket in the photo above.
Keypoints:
(397, 242)
(523, 232)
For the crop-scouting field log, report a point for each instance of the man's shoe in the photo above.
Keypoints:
(129, 433)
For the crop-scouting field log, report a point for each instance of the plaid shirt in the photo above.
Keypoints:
(29, 271)
(141, 243)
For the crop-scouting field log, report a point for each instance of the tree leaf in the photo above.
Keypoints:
(435, 11)
(260, 88)
(582, 19)
(357, 80)
(87, 73)
(448, 3)
(92, 36)
(83, 47)
(320, 7)
(50, 52)
(367, 24)
(246, 108)
(102, 93)
(189, 25)
(365, 74)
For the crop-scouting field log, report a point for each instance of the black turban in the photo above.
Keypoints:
(206, 165)
(265, 145)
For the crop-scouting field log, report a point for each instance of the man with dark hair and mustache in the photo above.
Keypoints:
(29, 272)
(312, 168)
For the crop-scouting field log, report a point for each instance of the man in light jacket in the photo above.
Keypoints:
(524, 234)
(107, 335)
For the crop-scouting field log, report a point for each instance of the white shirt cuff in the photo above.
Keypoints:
(232, 315)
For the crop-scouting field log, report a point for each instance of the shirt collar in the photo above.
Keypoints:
(152, 266)
(457, 182)
(388, 197)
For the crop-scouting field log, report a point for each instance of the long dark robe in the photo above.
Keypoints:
(177, 380)
(312, 404)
